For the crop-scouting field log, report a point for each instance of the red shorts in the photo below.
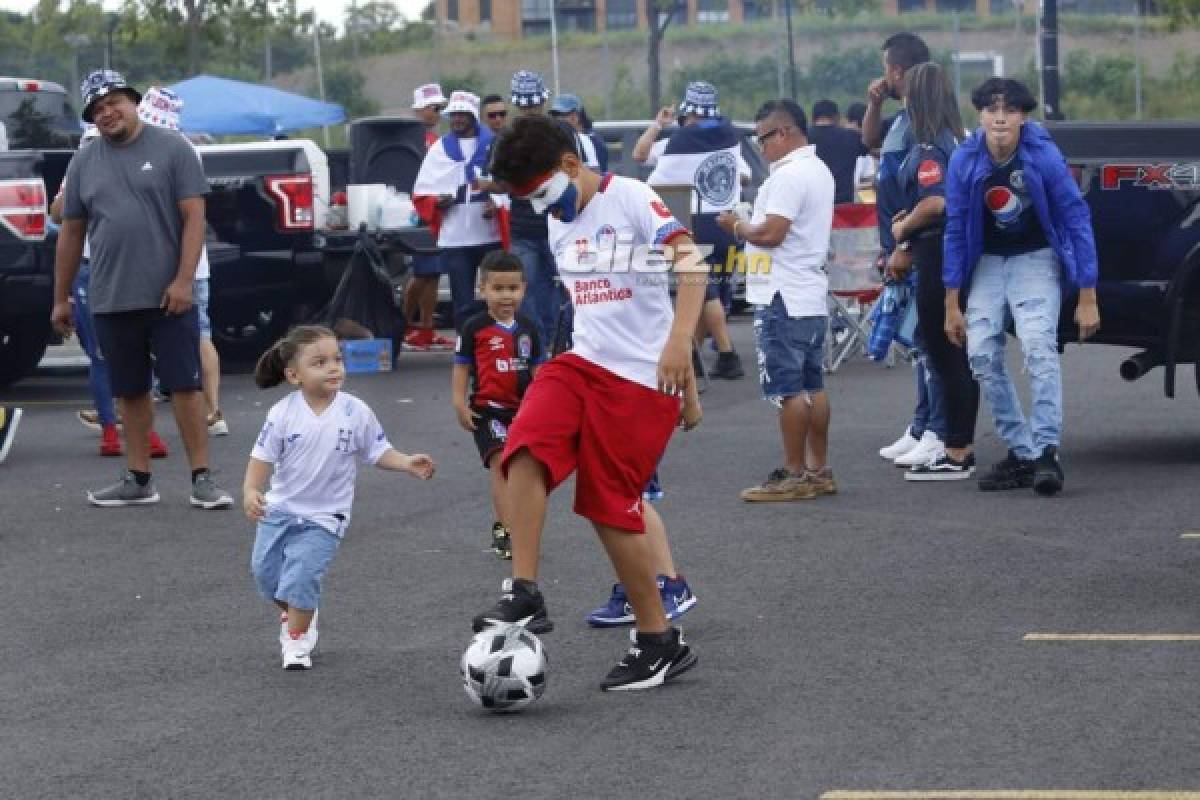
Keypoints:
(579, 417)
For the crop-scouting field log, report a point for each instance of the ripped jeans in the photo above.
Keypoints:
(1026, 289)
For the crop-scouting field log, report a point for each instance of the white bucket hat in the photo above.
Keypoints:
(161, 107)
(465, 102)
(428, 95)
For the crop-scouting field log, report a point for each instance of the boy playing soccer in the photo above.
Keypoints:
(493, 365)
(606, 409)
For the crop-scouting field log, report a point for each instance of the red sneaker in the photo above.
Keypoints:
(440, 342)
(158, 448)
(110, 441)
(416, 339)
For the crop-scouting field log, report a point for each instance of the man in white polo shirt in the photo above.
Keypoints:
(788, 240)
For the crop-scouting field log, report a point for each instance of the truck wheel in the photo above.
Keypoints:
(23, 341)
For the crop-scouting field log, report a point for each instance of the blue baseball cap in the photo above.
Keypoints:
(566, 104)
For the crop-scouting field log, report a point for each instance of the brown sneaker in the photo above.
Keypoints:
(782, 484)
(821, 480)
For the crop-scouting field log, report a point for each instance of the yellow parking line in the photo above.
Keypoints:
(1190, 535)
(1112, 637)
(1014, 794)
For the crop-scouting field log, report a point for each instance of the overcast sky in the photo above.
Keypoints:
(328, 10)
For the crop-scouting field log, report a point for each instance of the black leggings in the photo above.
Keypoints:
(961, 392)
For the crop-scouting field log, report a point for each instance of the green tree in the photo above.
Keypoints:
(344, 85)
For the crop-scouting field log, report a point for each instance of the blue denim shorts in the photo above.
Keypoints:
(791, 351)
(289, 559)
(200, 300)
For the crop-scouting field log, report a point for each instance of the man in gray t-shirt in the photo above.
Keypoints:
(137, 194)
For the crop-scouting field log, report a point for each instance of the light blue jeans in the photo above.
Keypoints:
(1026, 289)
(289, 559)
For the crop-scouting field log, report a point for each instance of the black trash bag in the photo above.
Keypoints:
(364, 304)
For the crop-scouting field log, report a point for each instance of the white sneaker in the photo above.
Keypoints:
(296, 654)
(929, 448)
(900, 446)
(310, 636)
(217, 426)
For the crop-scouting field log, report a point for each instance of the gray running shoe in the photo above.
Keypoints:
(207, 495)
(125, 493)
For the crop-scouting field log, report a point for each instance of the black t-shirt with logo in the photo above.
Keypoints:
(1010, 223)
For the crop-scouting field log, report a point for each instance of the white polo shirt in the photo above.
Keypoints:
(800, 189)
(315, 456)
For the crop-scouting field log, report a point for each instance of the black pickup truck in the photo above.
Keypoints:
(41, 131)
(1142, 183)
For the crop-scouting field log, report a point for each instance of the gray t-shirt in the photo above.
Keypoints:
(130, 196)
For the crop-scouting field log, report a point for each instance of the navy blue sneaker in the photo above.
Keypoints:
(653, 490)
(617, 611)
(677, 600)
(677, 596)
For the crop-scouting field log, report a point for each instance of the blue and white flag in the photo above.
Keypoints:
(707, 156)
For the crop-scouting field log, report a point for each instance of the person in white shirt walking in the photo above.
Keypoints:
(313, 439)
(448, 195)
(787, 240)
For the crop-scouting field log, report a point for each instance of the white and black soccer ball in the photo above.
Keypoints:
(504, 668)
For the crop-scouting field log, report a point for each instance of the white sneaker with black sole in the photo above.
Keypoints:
(296, 653)
(943, 468)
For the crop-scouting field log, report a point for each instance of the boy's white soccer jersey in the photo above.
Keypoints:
(315, 456)
(611, 261)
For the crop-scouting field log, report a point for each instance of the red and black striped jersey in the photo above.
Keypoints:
(501, 358)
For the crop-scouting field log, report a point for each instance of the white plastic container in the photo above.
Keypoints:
(395, 211)
(364, 201)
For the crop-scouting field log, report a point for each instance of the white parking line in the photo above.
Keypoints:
(1112, 637)
(1014, 794)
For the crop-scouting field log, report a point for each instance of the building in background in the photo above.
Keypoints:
(513, 19)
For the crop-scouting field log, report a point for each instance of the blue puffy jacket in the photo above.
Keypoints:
(1060, 207)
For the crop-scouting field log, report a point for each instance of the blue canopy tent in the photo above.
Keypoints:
(221, 106)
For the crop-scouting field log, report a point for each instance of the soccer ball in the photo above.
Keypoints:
(504, 668)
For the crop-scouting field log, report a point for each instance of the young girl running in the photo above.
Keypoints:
(311, 438)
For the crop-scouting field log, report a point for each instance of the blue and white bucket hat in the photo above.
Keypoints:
(700, 98)
(101, 83)
(528, 89)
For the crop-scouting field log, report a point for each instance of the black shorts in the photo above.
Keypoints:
(721, 259)
(135, 342)
(491, 431)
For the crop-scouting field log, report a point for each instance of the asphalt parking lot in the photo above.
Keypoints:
(895, 637)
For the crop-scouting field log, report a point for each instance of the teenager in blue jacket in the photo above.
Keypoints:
(1018, 236)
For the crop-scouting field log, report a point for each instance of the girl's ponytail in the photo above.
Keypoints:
(269, 371)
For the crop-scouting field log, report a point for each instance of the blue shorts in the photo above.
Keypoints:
(426, 266)
(200, 300)
(290, 556)
(791, 351)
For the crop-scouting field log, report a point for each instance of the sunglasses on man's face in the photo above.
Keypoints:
(766, 137)
(497, 114)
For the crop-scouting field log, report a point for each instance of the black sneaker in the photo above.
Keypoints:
(1048, 473)
(1011, 473)
(522, 603)
(943, 468)
(654, 659)
(728, 367)
(501, 542)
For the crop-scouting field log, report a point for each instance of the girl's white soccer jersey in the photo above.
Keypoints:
(611, 261)
(315, 456)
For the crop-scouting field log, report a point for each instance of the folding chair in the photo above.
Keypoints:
(855, 282)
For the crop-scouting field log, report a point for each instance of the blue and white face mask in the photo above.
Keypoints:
(558, 194)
